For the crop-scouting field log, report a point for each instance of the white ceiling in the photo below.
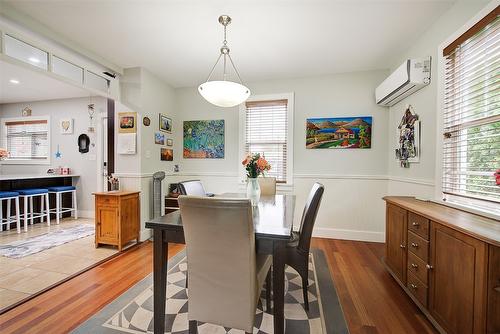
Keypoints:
(33, 86)
(274, 39)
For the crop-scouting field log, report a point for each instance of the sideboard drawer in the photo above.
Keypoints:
(418, 246)
(418, 225)
(417, 289)
(417, 267)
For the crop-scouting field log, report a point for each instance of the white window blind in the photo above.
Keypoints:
(471, 151)
(266, 133)
(27, 140)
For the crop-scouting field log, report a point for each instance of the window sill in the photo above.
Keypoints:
(471, 209)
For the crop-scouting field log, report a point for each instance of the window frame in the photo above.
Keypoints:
(31, 161)
(483, 208)
(290, 97)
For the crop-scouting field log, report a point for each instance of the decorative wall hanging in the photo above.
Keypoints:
(127, 122)
(203, 139)
(166, 154)
(339, 132)
(170, 142)
(159, 138)
(146, 121)
(26, 112)
(58, 153)
(224, 93)
(66, 126)
(91, 112)
(83, 143)
(409, 138)
(165, 123)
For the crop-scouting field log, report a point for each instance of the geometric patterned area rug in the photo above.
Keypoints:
(32, 245)
(134, 312)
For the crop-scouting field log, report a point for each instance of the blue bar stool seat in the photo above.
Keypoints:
(8, 196)
(28, 213)
(59, 209)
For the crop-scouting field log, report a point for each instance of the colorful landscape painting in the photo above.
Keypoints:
(342, 132)
(204, 139)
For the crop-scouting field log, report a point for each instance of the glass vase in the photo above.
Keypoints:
(253, 190)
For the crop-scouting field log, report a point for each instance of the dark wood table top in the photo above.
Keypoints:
(273, 217)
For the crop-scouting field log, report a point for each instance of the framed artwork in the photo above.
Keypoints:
(170, 142)
(408, 133)
(339, 132)
(127, 122)
(66, 126)
(146, 121)
(203, 139)
(166, 154)
(159, 138)
(165, 123)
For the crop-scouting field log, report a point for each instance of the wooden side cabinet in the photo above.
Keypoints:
(447, 261)
(117, 218)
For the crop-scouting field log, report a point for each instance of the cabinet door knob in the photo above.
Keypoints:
(414, 244)
(429, 266)
(414, 265)
(413, 286)
(415, 224)
(402, 246)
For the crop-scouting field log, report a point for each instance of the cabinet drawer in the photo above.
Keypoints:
(418, 246)
(417, 267)
(417, 289)
(107, 200)
(418, 225)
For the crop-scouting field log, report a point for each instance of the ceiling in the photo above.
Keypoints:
(32, 86)
(179, 40)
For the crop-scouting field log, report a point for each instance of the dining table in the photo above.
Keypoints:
(273, 224)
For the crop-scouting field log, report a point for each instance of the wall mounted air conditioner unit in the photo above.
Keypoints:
(411, 76)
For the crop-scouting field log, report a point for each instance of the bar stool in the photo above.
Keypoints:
(59, 210)
(8, 196)
(28, 194)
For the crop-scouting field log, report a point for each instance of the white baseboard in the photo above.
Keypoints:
(335, 233)
(86, 214)
(145, 234)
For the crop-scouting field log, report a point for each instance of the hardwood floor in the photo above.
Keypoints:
(372, 301)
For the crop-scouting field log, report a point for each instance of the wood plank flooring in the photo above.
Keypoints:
(372, 301)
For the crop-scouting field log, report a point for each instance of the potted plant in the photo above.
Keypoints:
(255, 165)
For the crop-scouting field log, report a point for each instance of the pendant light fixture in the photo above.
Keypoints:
(224, 93)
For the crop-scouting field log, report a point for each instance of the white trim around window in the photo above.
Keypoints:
(290, 97)
(3, 133)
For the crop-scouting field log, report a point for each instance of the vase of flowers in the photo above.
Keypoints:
(255, 165)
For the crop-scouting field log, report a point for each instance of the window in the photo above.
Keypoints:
(267, 130)
(471, 124)
(27, 139)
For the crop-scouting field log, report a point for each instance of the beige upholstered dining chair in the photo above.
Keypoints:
(267, 186)
(225, 274)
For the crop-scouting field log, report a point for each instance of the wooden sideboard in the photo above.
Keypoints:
(117, 218)
(447, 261)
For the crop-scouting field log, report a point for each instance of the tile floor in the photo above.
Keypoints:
(20, 278)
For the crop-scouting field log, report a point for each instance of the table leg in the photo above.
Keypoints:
(279, 286)
(160, 255)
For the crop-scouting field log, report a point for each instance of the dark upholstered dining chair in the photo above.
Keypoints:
(297, 252)
(192, 188)
(226, 274)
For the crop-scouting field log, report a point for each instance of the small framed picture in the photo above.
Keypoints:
(146, 121)
(127, 122)
(167, 154)
(159, 138)
(170, 142)
(66, 126)
(165, 123)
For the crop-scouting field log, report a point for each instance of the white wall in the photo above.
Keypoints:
(420, 178)
(84, 165)
(354, 180)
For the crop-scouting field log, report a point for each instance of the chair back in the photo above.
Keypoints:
(267, 186)
(309, 216)
(220, 244)
(192, 188)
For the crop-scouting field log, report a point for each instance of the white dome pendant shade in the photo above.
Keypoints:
(224, 93)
